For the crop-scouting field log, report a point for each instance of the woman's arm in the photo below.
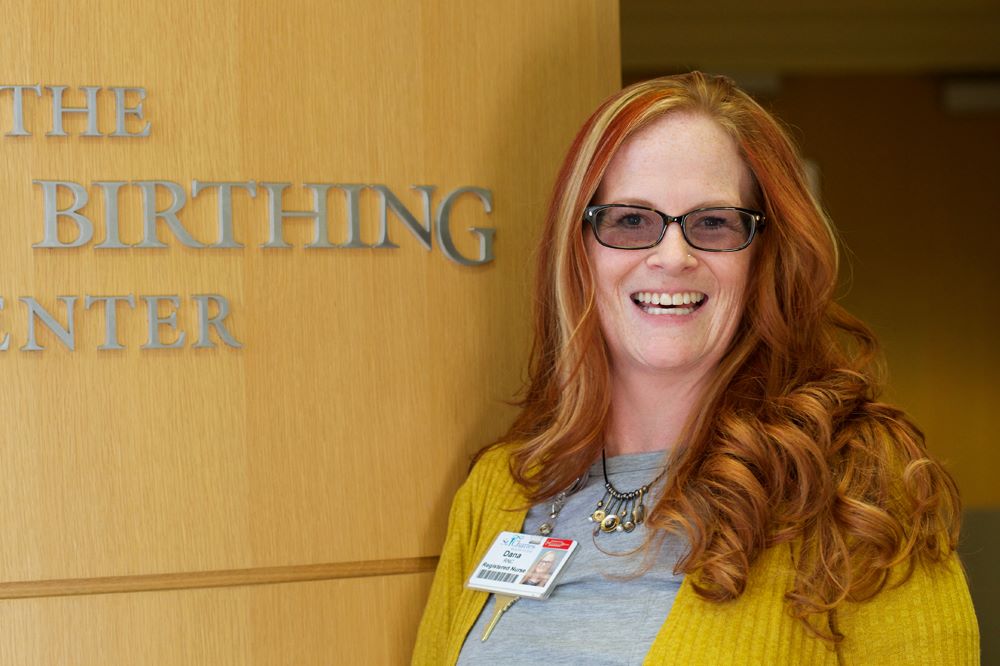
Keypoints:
(928, 620)
(487, 503)
(435, 627)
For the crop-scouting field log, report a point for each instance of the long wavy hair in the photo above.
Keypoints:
(789, 442)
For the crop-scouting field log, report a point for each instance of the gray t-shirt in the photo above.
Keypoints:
(600, 612)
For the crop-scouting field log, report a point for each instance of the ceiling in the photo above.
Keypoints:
(786, 37)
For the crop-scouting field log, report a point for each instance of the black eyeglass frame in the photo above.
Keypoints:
(758, 222)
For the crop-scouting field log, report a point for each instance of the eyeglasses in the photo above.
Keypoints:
(724, 229)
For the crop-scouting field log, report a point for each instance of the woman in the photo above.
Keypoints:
(697, 395)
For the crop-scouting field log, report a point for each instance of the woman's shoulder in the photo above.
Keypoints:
(490, 480)
(924, 615)
(495, 457)
(492, 464)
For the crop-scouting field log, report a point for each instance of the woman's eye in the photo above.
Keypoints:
(713, 222)
(627, 220)
(631, 221)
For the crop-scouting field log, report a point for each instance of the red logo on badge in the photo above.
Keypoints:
(561, 544)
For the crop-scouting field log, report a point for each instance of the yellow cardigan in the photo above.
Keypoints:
(929, 620)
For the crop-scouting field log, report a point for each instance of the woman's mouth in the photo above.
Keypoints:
(663, 303)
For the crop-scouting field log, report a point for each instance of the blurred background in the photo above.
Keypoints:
(896, 106)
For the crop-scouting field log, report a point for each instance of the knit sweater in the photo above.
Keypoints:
(928, 620)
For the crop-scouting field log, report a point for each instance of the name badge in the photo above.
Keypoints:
(524, 565)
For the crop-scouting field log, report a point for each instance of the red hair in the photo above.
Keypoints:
(789, 443)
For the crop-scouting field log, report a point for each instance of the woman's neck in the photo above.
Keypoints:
(649, 412)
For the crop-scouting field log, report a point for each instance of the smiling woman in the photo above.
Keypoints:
(697, 394)
(679, 163)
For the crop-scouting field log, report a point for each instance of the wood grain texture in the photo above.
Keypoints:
(366, 376)
(339, 431)
(321, 623)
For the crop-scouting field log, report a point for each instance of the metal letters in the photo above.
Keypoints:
(429, 227)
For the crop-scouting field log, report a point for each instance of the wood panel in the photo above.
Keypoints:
(335, 622)
(366, 376)
(330, 442)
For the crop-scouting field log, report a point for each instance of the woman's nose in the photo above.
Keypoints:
(673, 253)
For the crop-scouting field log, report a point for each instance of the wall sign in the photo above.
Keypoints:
(73, 226)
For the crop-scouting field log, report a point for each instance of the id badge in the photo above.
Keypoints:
(524, 565)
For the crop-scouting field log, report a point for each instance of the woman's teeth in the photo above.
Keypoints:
(657, 303)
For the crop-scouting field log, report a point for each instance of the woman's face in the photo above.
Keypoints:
(545, 563)
(679, 162)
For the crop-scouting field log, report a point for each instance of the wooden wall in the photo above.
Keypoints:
(282, 502)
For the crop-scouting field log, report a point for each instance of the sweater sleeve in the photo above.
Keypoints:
(927, 620)
(439, 614)
(487, 503)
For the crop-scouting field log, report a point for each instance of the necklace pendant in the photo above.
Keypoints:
(617, 511)
(620, 527)
(610, 523)
(639, 512)
(602, 509)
